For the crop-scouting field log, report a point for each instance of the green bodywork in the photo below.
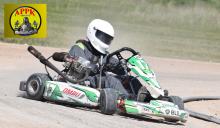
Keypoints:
(56, 93)
(143, 70)
(90, 95)
(141, 64)
(156, 108)
(72, 93)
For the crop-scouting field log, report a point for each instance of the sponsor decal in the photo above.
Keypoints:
(71, 92)
(49, 90)
(25, 20)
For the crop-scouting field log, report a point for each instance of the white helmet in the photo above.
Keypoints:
(100, 33)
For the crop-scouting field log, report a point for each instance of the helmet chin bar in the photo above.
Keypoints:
(99, 46)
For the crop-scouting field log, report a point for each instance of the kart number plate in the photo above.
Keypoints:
(172, 112)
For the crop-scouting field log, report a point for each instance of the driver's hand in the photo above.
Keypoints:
(94, 68)
(68, 58)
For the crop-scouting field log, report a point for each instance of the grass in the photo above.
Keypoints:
(187, 29)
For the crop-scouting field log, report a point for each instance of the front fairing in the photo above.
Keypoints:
(145, 74)
(156, 108)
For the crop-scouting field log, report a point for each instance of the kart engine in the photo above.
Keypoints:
(78, 68)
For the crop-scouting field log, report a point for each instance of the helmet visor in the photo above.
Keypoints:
(105, 38)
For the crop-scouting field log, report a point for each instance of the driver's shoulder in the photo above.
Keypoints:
(81, 44)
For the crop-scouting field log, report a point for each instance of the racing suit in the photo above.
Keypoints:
(84, 49)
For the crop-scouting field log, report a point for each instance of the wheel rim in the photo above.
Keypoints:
(33, 87)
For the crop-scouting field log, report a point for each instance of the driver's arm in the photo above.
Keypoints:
(78, 51)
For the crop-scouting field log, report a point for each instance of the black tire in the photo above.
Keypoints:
(108, 101)
(35, 86)
(177, 101)
(143, 95)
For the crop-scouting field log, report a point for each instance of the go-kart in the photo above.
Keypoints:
(70, 86)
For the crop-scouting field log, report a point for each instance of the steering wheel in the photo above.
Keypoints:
(118, 54)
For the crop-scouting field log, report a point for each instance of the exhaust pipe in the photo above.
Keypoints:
(44, 61)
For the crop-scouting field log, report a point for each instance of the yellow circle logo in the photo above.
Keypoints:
(25, 21)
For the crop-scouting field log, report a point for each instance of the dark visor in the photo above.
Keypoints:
(104, 37)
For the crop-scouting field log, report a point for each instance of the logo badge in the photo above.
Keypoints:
(25, 20)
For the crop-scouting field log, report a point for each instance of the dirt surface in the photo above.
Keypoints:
(180, 77)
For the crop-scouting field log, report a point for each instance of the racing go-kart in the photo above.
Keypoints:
(70, 86)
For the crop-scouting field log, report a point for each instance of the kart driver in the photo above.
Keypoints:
(100, 34)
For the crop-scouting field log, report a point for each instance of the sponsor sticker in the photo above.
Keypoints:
(71, 92)
(25, 20)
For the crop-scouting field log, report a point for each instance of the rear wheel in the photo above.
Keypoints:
(35, 86)
(177, 101)
(108, 101)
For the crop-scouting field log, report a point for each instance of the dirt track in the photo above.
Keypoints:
(180, 77)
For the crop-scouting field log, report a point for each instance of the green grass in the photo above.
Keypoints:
(187, 29)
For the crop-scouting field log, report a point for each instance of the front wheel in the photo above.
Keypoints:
(177, 101)
(35, 86)
(108, 101)
(143, 95)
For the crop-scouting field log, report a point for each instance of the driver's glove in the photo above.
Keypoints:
(94, 68)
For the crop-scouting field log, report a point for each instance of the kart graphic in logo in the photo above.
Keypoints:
(25, 21)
